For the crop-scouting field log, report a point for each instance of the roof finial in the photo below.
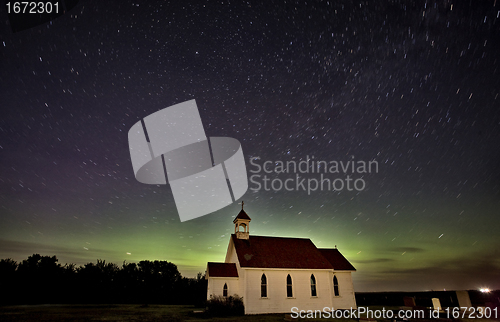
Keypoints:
(242, 203)
(335, 246)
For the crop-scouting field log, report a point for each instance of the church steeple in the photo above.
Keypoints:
(242, 221)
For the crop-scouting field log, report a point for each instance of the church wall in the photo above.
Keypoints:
(216, 286)
(277, 300)
(232, 257)
(346, 298)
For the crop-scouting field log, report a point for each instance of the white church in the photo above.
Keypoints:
(275, 274)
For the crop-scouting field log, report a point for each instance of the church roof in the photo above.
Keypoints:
(338, 261)
(281, 252)
(222, 270)
(242, 215)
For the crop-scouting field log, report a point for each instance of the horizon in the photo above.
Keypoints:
(192, 271)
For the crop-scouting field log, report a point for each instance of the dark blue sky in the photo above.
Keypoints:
(413, 85)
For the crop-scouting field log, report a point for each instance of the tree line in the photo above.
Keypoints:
(42, 280)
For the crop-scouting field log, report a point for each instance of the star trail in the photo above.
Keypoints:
(411, 85)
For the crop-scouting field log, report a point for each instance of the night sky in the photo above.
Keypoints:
(413, 85)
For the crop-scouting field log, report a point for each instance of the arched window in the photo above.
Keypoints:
(224, 290)
(313, 286)
(289, 291)
(335, 286)
(263, 286)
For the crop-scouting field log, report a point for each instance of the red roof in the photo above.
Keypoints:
(339, 262)
(242, 215)
(278, 252)
(222, 270)
(281, 252)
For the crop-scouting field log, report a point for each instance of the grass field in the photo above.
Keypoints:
(121, 312)
(131, 312)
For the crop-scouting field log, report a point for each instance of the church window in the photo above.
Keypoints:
(263, 286)
(224, 290)
(289, 291)
(335, 286)
(313, 286)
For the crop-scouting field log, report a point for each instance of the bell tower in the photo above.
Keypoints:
(242, 224)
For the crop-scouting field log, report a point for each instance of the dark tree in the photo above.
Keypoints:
(39, 279)
(8, 294)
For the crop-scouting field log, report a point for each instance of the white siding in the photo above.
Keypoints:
(232, 257)
(235, 286)
(346, 298)
(216, 285)
(277, 300)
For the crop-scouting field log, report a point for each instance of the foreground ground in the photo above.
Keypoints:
(125, 312)
(120, 312)
(131, 312)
